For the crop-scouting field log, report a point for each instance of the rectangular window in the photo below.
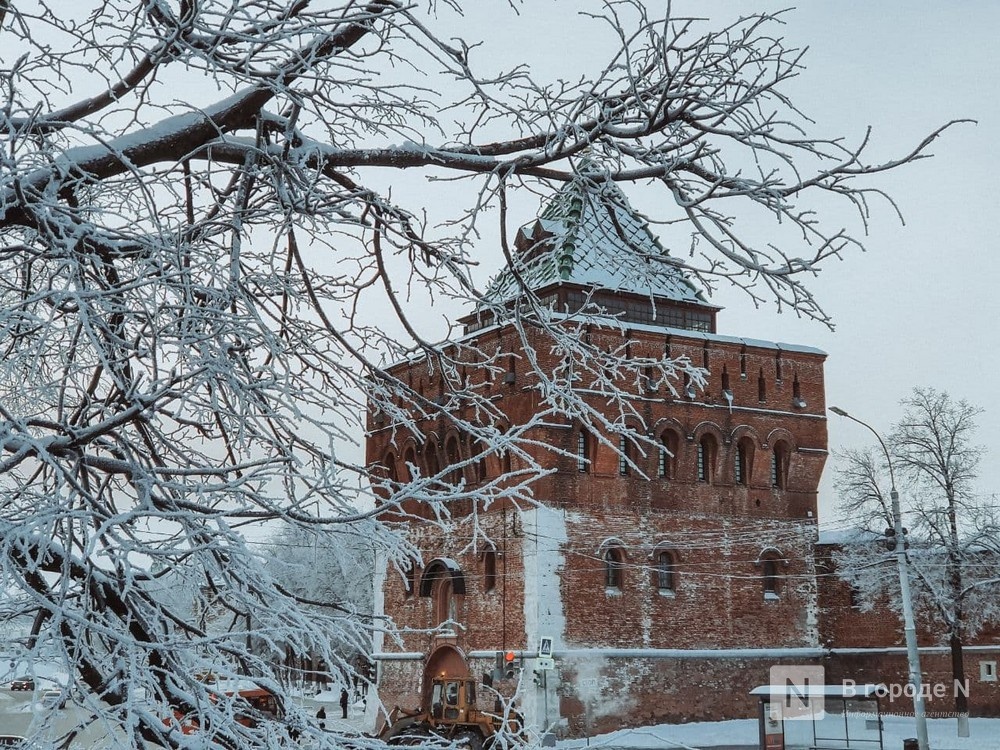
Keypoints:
(987, 671)
(622, 455)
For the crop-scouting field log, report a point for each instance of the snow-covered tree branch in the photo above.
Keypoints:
(203, 279)
(952, 535)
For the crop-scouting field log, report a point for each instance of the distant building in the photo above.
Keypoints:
(667, 593)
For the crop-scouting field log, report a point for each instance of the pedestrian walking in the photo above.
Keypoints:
(343, 701)
(321, 716)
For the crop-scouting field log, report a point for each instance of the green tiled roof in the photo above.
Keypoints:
(589, 235)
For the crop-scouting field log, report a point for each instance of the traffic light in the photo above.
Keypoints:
(509, 664)
(890, 539)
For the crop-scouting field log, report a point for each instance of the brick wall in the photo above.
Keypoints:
(718, 531)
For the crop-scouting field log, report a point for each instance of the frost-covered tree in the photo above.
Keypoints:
(332, 574)
(203, 272)
(953, 534)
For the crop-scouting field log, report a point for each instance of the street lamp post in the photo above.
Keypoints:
(909, 624)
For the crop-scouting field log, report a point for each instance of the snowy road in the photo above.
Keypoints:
(19, 709)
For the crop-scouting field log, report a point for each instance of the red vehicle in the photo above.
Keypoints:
(252, 704)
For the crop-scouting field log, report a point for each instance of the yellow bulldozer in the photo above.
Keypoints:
(452, 716)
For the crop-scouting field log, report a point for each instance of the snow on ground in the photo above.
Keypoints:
(985, 735)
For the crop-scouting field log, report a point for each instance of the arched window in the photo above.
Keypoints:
(390, 467)
(480, 460)
(409, 463)
(667, 459)
(706, 459)
(489, 569)
(445, 606)
(769, 575)
(614, 563)
(443, 581)
(583, 449)
(623, 455)
(779, 466)
(761, 387)
(743, 461)
(665, 572)
(453, 457)
(431, 459)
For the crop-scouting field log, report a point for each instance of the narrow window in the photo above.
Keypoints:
(665, 572)
(667, 458)
(777, 367)
(613, 563)
(769, 574)
(489, 570)
(623, 455)
(797, 401)
(582, 451)
(445, 604)
(855, 596)
(725, 382)
(706, 458)
(761, 387)
(779, 466)
(453, 458)
(409, 464)
(390, 468)
(743, 364)
(480, 460)
(743, 461)
(987, 671)
(433, 465)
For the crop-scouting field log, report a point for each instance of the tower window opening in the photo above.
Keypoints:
(489, 570)
(582, 451)
(706, 458)
(623, 455)
(667, 455)
(665, 572)
(770, 578)
(614, 563)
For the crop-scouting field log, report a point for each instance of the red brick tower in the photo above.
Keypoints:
(669, 575)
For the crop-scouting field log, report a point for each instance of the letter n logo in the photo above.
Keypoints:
(799, 690)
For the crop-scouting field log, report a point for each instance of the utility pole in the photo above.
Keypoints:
(909, 623)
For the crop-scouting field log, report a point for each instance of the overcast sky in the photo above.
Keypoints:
(920, 308)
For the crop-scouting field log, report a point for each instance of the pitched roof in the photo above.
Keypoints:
(589, 235)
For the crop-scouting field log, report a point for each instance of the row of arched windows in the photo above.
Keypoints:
(707, 465)
(468, 463)
(665, 571)
(471, 462)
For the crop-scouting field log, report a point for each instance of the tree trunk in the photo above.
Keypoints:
(959, 685)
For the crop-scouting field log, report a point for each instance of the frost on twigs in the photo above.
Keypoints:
(951, 533)
(203, 281)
